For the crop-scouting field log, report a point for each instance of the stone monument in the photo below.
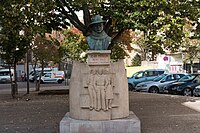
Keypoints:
(99, 100)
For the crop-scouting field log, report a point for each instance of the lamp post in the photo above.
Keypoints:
(184, 61)
(28, 59)
(198, 56)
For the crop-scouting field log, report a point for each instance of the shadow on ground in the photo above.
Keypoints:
(54, 92)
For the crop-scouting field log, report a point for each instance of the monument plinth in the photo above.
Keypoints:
(98, 88)
(99, 100)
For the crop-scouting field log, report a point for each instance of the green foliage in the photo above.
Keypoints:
(13, 44)
(27, 17)
(161, 21)
(136, 61)
(46, 49)
(191, 49)
(118, 52)
(74, 44)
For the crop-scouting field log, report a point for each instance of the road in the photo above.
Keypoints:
(22, 86)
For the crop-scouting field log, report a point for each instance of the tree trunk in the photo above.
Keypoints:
(13, 94)
(35, 76)
(14, 87)
(39, 81)
(15, 77)
(191, 67)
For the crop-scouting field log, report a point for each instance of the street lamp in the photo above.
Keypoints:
(183, 55)
(198, 56)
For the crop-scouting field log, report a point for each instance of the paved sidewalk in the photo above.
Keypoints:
(32, 89)
(42, 113)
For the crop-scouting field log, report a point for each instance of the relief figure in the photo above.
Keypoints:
(100, 82)
(109, 93)
(91, 90)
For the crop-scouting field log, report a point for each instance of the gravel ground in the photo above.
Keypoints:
(32, 113)
(42, 113)
(161, 113)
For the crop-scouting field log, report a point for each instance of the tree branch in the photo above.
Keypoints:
(86, 14)
(115, 38)
(108, 27)
(73, 14)
(73, 18)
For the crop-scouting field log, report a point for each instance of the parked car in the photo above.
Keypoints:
(53, 77)
(34, 75)
(5, 75)
(158, 84)
(142, 76)
(184, 86)
(196, 91)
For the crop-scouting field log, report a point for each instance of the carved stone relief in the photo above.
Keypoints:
(97, 92)
(100, 89)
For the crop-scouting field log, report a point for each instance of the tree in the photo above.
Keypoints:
(191, 45)
(165, 17)
(44, 50)
(74, 44)
(13, 41)
(136, 61)
(20, 21)
(191, 48)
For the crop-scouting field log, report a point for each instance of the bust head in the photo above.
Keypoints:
(98, 28)
(97, 24)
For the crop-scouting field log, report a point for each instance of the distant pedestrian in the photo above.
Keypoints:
(23, 76)
(25, 79)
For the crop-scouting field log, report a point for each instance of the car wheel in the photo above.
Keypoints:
(153, 90)
(59, 81)
(130, 87)
(187, 92)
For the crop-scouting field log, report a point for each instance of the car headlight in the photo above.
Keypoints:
(197, 90)
(143, 85)
(175, 87)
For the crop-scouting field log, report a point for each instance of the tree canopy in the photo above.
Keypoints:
(161, 21)
(166, 17)
(20, 21)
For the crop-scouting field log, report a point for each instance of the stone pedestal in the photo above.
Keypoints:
(99, 98)
(80, 91)
(130, 124)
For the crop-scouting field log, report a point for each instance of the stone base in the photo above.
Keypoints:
(130, 124)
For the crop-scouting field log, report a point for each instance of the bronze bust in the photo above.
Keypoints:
(98, 39)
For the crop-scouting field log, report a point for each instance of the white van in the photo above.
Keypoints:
(5, 75)
(38, 70)
(53, 77)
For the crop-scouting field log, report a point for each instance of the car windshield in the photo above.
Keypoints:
(6, 73)
(137, 73)
(159, 77)
(186, 78)
(44, 73)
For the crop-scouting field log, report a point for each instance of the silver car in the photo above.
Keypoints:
(158, 84)
(196, 91)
